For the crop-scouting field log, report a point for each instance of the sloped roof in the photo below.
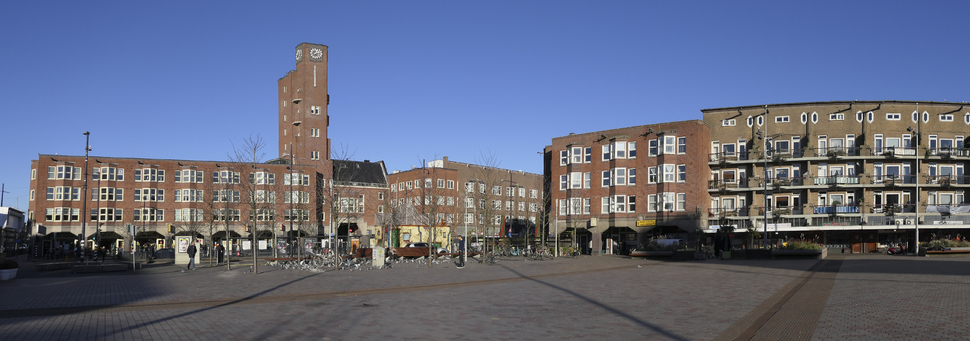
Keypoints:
(361, 173)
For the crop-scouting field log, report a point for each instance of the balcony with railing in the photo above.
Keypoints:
(946, 152)
(946, 180)
(727, 212)
(725, 156)
(838, 151)
(836, 209)
(838, 180)
(891, 180)
(894, 151)
(892, 209)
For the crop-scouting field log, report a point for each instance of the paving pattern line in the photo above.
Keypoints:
(791, 312)
(261, 299)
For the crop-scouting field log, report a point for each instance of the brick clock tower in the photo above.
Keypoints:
(303, 118)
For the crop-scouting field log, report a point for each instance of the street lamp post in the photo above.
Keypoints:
(84, 194)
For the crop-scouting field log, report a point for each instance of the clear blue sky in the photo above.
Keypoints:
(412, 80)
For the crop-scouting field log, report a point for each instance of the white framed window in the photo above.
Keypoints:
(631, 174)
(761, 120)
(577, 155)
(632, 150)
(651, 203)
(966, 118)
(804, 118)
(652, 149)
(729, 123)
(669, 173)
(150, 175)
(314, 110)
(837, 117)
(670, 144)
(607, 152)
(563, 157)
(859, 116)
(681, 173)
(946, 117)
(814, 117)
(619, 176)
(652, 175)
(682, 145)
(314, 155)
(619, 149)
(782, 119)
(870, 116)
(893, 116)
(681, 202)
(926, 117)
(534, 194)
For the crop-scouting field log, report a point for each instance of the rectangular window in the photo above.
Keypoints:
(587, 179)
(836, 117)
(781, 119)
(681, 173)
(563, 157)
(893, 116)
(607, 179)
(729, 123)
(946, 117)
(682, 145)
(669, 173)
(607, 152)
(577, 155)
(652, 175)
(619, 176)
(619, 148)
(652, 148)
(670, 143)
(632, 176)
(682, 200)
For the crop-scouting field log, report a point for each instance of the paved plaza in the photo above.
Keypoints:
(844, 297)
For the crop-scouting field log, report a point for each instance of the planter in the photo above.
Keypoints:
(6, 274)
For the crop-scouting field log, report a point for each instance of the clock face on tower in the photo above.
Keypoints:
(299, 55)
(316, 53)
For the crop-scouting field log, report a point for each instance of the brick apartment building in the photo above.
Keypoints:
(164, 197)
(845, 173)
(463, 195)
(625, 185)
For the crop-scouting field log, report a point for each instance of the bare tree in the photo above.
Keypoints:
(258, 187)
(488, 178)
(433, 205)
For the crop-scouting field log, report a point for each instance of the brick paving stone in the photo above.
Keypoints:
(605, 297)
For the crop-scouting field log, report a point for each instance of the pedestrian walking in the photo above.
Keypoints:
(191, 251)
(461, 252)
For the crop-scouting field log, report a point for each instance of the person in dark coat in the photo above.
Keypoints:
(461, 252)
(191, 251)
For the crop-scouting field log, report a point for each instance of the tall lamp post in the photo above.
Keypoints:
(84, 194)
